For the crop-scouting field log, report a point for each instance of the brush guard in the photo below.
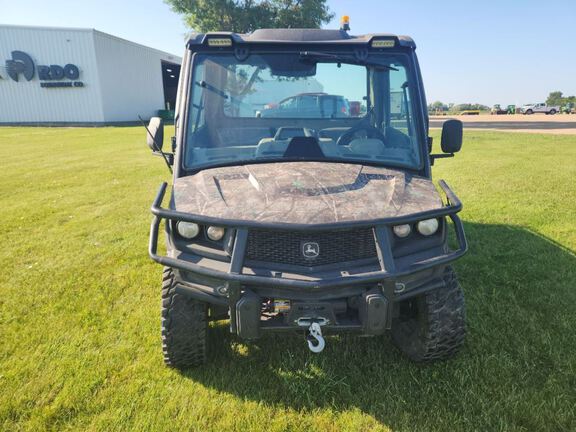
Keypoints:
(236, 284)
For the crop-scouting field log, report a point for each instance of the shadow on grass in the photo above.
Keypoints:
(518, 288)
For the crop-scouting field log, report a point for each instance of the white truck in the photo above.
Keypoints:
(539, 108)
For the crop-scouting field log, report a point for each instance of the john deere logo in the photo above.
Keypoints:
(21, 64)
(310, 250)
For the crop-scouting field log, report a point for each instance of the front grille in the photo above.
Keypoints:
(288, 247)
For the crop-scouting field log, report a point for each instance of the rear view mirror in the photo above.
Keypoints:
(451, 141)
(286, 66)
(155, 135)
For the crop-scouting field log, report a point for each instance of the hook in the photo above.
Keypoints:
(315, 332)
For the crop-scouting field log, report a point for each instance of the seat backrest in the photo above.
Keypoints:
(332, 133)
(371, 147)
(329, 147)
(271, 147)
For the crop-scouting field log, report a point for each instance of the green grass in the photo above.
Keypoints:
(79, 305)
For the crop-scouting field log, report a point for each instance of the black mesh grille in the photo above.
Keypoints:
(287, 247)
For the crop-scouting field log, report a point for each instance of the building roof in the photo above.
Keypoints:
(300, 36)
(88, 30)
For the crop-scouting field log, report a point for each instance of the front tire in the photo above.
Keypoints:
(432, 326)
(529, 112)
(184, 326)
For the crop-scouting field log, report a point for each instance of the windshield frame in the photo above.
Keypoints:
(416, 97)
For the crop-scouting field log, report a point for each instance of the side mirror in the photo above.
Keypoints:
(451, 141)
(156, 135)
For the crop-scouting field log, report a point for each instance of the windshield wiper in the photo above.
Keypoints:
(213, 89)
(335, 58)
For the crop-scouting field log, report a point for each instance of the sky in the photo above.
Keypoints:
(488, 51)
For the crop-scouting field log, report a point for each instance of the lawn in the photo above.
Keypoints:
(79, 305)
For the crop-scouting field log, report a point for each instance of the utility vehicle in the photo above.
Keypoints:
(569, 108)
(306, 223)
(539, 108)
(314, 105)
(498, 110)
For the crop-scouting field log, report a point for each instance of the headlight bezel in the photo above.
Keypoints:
(415, 230)
(201, 245)
(202, 237)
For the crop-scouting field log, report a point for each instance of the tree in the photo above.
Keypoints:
(470, 107)
(243, 16)
(555, 98)
(437, 106)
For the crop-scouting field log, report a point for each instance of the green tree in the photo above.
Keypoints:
(438, 106)
(469, 106)
(555, 98)
(243, 16)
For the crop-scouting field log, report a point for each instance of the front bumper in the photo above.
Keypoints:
(232, 283)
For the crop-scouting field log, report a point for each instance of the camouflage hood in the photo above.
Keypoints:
(304, 193)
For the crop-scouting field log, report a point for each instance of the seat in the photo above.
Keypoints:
(272, 147)
(332, 133)
(329, 147)
(370, 147)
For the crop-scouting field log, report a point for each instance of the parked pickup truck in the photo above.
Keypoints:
(539, 108)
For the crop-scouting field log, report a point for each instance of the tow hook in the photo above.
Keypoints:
(315, 340)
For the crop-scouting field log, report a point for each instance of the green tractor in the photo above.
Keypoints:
(569, 108)
(511, 109)
(498, 110)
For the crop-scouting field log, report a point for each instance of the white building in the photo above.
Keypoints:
(83, 76)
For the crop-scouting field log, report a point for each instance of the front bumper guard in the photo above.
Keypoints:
(244, 304)
(382, 231)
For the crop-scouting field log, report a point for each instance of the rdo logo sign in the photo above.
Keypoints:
(55, 72)
(22, 64)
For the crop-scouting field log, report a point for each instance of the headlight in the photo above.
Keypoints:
(427, 227)
(188, 230)
(215, 233)
(402, 231)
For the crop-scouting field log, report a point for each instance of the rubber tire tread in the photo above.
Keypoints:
(183, 325)
(439, 329)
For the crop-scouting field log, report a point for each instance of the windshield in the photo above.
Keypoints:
(301, 106)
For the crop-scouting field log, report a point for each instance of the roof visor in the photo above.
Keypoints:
(300, 36)
(375, 42)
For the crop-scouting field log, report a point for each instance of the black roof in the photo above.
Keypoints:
(300, 36)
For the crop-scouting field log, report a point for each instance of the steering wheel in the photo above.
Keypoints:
(371, 132)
